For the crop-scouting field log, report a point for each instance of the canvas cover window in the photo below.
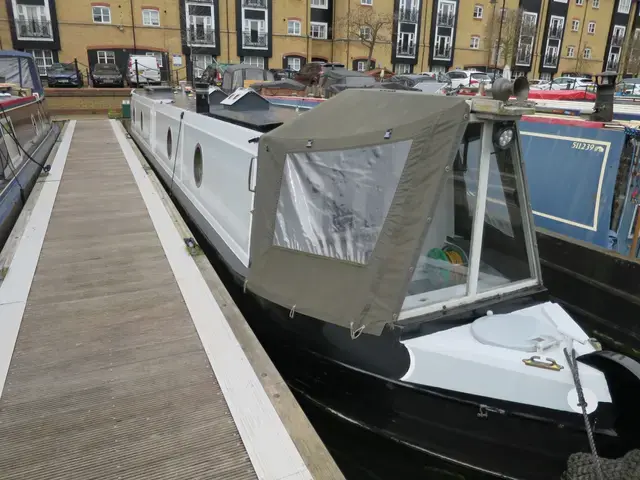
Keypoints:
(334, 203)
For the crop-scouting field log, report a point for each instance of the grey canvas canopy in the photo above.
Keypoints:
(344, 195)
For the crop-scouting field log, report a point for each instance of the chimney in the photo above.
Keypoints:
(605, 90)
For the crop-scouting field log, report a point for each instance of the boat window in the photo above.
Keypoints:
(442, 269)
(197, 166)
(169, 143)
(334, 204)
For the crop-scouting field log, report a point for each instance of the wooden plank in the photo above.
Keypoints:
(108, 378)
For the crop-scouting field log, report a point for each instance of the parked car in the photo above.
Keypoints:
(311, 72)
(424, 83)
(64, 75)
(468, 78)
(572, 83)
(539, 84)
(148, 70)
(628, 86)
(106, 75)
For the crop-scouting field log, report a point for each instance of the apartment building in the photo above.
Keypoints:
(537, 38)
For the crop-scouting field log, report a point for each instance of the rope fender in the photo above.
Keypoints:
(584, 466)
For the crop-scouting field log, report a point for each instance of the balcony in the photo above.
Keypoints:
(409, 15)
(612, 65)
(556, 32)
(408, 50)
(550, 60)
(255, 3)
(528, 29)
(252, 39)
(617, 40)
(34, 29)
(199, 36)
(442, 52)
(523, 56)
(445, 20)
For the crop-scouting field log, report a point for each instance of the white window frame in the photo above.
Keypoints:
(253, 60)
(207, 20)
(575, 25)
(197, 62)
(103, 11)
(579, 2)
(545, 76)
(403, 69)
(361, 65)
(291, 60)
(365, 32)
(323, 25)
(147, 17)
(320, 4)
(292, 26)
(624, 6)
(37, 13)
(106, 56)
(571, 51)
(591, 28)
(368, 3)
(595, 3)
(475, 42)
(45, 57)
(586, 54)
(478, 11)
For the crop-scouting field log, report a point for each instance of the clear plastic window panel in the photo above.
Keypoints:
(334, 204)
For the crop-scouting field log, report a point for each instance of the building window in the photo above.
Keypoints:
(106, 56)
(294, 27)
(255, 61)
(362, 65)
(545, 76)
(587, 53)
(579, 2)
(200, 25)
(591, 28)
(478, 10)
(571, 51)
(158, 56)
(43, 59)
(595, 4)
(475, 42)
(101, 14)
(150, 18)
(319, 4)
(575, 25)
(366, 2)
(200, 62)
(403, 68)
(624, 6)
(294, 63)
(365, 33)
(319, 30)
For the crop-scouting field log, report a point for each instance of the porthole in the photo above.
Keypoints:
(197, 166)
(133, 114)
(141, 122)
(169, 143)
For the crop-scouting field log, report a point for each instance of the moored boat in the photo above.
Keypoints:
(381, 281)
(27, 134)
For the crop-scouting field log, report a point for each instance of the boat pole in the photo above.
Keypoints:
(636, 234)
(133, 28)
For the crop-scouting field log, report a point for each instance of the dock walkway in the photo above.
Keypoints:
(111, 375)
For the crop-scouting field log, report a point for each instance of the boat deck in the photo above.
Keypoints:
(119, 362)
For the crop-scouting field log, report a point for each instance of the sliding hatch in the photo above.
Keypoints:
(344, 197)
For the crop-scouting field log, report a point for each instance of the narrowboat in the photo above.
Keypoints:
(388, 264)
(27, 134)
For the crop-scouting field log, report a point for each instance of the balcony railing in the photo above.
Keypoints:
(408, 50)
(33, 29)
(445, 20)
(201, 37)
(410, 15)
(523, 57)
(528, 29)
(612, 65)
(254, 3)
(550, 60)
(255, 40)
(556, 32)
(616, 40)
(442, 52)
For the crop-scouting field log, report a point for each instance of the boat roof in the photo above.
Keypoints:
(14, 53)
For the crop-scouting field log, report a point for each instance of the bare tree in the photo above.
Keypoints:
(632, 57)
(503, 34)
(582, 63)
(369, 27)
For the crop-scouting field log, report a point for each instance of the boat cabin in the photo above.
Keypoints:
(363, 219)
(242, 76)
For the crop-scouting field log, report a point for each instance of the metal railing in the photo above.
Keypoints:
(442, 52)
(408, 50)
(201, 37)
(445, 20)
(254, 3)
(612, 65)
(556, 32)
(250, 39)
(616, 40)
(410, 15)
(528, 29)
(34, 29)
(523, 57)
(550, 60)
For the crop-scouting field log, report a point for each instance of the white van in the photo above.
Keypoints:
(148, 70)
